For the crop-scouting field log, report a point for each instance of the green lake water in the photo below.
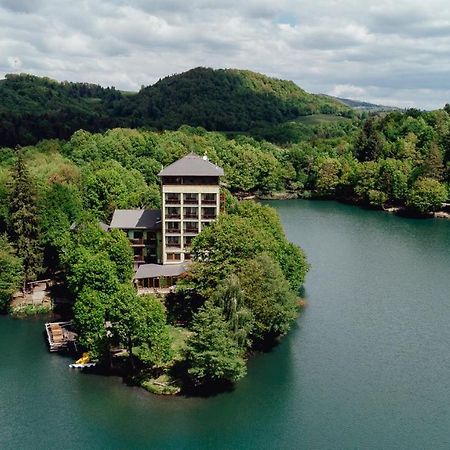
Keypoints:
(367, 366)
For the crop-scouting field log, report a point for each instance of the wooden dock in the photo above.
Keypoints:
(61, 336)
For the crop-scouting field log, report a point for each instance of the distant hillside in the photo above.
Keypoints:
(227, 100)
(362, 105)
(34, 108)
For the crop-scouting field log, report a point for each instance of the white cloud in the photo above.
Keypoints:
(385, 52)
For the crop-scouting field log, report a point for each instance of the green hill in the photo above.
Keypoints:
(227, 100)
(34, 108)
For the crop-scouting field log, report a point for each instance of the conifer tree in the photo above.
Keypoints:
(23, 222)
(433, 165)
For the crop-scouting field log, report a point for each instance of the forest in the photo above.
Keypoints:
(241, 293)
(34, 108)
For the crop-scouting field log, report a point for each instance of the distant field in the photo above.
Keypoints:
(318, 119)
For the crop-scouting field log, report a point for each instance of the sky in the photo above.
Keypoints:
(391, 52)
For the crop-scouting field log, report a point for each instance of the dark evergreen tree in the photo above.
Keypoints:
(369, 144)
(433, 165)
(23, 221)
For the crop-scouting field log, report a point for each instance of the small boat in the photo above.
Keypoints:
(82, 366)
(83, 362)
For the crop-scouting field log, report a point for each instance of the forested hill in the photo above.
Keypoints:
(227, 100)
(34, 108)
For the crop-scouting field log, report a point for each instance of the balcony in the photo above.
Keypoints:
(209, 202)
(191, 215)
(173, 230)
(173, 216)
(208, 216)
(190, 201)
(173, 245)
(191, 230)
(137, 242)
(173, 200)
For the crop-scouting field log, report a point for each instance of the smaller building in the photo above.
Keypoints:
(158, 277)
(143, 229)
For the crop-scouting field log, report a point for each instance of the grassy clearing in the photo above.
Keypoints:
(30, 310)
(320, 119)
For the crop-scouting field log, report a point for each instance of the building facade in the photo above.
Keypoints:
(190, 199)
(143, 229)
(190, 195)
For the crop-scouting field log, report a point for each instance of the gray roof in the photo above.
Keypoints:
(159, 270)
(136, 218)
(192, 165)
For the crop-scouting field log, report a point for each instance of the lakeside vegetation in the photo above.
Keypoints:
(241, 291)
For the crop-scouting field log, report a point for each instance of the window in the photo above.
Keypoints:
(208, 213)
(187, 240)
(209, 199)
(190, 213)
(172, 227)
(173, 241)
(190, 227)
(173, 256)
(190, 199)
(172, 212)
(172, 198)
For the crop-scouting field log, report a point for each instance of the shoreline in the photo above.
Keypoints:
(401, 211)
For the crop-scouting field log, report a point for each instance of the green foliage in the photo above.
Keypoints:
(22, 219)
(426, 195)
(93, 271)
(33, 108)
(212, 354)
(140, 322)
(11, 272)
(90, 314)
(59, 207)
(369, 145)
(268, 296)
(229, 297)
(108, 186)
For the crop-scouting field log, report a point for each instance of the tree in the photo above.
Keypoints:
(90, 314)
(11, 272)
(140, 322)
(328, 174)
(212, 354)
(23, 219)
(433, 165)
(268, 296)
(116, 244)
(369, 144)
(94, 271)
(230, 298)
(59, 207)
(426, 195)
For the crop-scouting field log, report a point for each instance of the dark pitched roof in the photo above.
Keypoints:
(192, 165)
(146, 219)
(159, 270)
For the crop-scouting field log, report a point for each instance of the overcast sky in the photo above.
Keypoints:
(394, 52)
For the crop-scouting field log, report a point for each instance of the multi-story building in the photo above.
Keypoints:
(190, 189)
(190, 197)
(143, 229)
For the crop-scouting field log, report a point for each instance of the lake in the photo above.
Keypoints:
(367, 366)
